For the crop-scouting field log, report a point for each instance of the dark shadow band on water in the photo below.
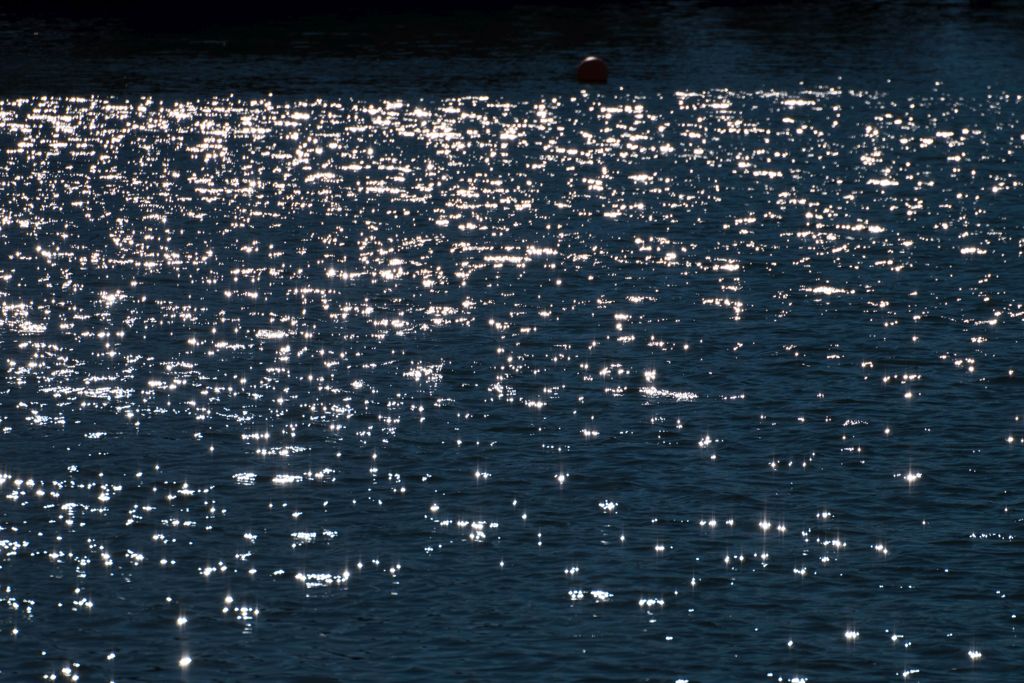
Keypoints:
(312, 48)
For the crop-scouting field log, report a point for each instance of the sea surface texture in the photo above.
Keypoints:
(637, 382)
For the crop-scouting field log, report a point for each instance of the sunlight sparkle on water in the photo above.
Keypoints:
(286, 362)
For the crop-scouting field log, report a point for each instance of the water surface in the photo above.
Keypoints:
(646, 382)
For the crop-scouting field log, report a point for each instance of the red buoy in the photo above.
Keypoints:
(592, 70)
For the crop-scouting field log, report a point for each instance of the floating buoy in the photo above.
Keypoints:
(592, 70)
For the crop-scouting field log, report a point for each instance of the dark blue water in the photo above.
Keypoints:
(667, 380)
